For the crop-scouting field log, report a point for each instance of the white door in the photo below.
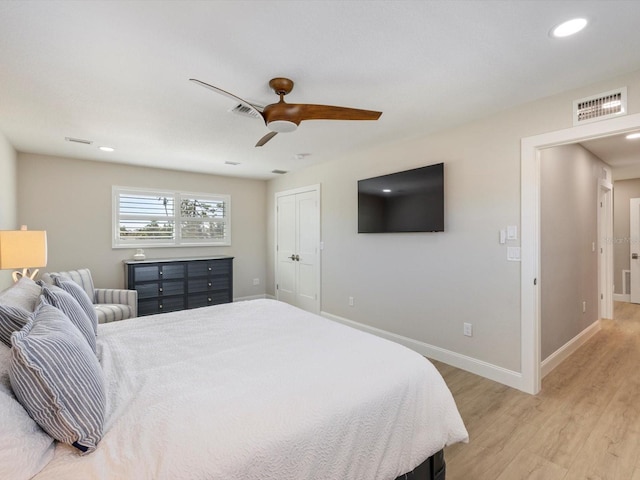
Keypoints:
(634, 239)
(298, 248)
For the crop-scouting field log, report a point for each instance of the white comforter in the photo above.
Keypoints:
(260, 390)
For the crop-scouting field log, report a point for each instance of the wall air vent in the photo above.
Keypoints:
(245, 111)
(78, 140)
(279, 172)
(600, 107)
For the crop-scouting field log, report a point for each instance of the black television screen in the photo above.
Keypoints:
(409, 201)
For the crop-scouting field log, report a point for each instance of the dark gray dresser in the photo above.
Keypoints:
(167, 285)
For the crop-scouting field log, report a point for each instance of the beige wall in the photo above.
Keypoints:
(623, 191)
(569, 183)
(71, 199)
(425, 286)
(8, 190)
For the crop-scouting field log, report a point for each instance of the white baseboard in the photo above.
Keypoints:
(621, 297)
(560, 355)
(478, 367)
(250, 297)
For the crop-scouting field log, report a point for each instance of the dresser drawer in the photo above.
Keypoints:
(160, 305)
(159, 289)
(144, 273)
(197, 285)
(204, 299)
(204, 268)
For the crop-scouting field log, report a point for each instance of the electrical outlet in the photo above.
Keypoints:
(351, 301)
(256, 281)
(467, 329)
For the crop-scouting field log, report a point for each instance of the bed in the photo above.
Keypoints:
(261, 390)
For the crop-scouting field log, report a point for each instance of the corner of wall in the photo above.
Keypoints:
(8, 195)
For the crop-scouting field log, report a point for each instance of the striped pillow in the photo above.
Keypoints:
(58, 380)
(81, 297)
(57, 297)
(12, 319)
(24, 294)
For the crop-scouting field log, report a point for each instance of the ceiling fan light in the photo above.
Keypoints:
(281, 126)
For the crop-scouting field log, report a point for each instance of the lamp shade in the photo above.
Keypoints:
(23, 249)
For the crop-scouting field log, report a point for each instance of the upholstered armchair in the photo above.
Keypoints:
(111, 304)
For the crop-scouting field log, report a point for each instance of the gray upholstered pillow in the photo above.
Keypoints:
(12, 319)
(24, 294)
(57, 379)
(81, 297)
(65, 302)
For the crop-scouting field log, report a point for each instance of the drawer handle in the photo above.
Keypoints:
(208, 299)
(209, 268)
(160, 289)
(161, 273)
(209, 283)
(160, 307)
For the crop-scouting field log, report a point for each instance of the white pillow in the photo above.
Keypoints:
(25, 448)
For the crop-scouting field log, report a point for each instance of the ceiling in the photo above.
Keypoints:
(615, 150)
(116, 72)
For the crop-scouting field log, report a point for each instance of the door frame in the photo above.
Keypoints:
(310, 188)
(530, 306)
(605, 245)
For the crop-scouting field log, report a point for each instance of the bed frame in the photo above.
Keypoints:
(433, 468)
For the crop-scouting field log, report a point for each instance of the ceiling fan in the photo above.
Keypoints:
(285, 117)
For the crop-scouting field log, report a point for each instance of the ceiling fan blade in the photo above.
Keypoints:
(328, 112)
(266, 138)
(254, 108)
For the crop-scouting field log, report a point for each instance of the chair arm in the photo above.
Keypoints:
(121, 296)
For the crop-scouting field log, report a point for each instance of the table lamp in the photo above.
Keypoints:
(23, 249)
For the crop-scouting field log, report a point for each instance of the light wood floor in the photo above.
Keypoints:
(585, 423)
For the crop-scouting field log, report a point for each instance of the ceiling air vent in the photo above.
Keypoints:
(245, 111)
(78, 140)
(279, 172)
(600, 107)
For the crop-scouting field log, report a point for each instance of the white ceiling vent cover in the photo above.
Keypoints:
(600, 107)
(245, 111)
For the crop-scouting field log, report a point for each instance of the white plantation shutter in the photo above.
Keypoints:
(146, 218)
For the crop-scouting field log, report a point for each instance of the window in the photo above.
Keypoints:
(149, 218)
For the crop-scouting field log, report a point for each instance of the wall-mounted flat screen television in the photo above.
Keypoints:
(409, 201)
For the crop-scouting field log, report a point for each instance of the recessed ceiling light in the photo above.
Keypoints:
(107, 149)
(386, 190)
(231, 163)
(633, 136)
(301, 156)
(569, 27)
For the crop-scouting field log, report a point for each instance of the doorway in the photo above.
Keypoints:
(298, 247)
(530, 227)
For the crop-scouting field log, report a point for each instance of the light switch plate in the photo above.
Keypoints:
(513, 254)
(512, 232)
(503, 236)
